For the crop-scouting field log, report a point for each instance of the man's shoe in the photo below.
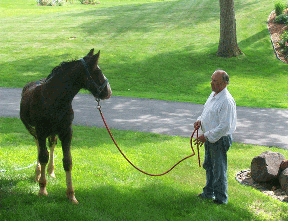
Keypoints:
(203, 197)
(217, 202)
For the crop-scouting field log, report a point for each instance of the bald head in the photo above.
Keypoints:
(219, 81)
(224, 75)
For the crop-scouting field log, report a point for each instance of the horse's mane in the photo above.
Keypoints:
(61, 69)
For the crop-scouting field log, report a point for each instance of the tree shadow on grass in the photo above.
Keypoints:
(29, 69)
(147, 17)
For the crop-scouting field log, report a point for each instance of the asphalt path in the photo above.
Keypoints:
(258, 126)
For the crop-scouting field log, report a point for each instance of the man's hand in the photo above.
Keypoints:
(197, 124)
(200, 140)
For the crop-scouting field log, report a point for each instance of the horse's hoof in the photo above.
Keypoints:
(74, 201)
(72, 198)
(50, 171)
(52, 175)
(43, 192)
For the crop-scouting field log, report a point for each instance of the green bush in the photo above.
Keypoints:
(49, 2)
(284, 43)
(279, 8)
(92, 2)
(282, 19)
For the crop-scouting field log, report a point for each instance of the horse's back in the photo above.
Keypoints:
(29, 87)
(29, 94)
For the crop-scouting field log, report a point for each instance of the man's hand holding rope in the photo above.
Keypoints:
(200, 140)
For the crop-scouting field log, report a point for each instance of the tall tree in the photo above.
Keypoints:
(228, 46)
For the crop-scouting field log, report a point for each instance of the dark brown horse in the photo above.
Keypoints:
(46, 111)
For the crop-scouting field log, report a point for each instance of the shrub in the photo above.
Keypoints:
(92, 2)
(282, 19)
(50, 2)
(279, 8)
(284, 43)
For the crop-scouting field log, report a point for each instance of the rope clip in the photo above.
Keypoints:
(98, 105)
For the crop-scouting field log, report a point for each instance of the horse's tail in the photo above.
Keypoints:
(30, 128)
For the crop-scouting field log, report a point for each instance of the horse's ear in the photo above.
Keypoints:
(98, 54)
(91, 52)
(95, 59)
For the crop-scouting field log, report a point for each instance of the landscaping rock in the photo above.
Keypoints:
(265, 167)
(283, 179)
(284, 165)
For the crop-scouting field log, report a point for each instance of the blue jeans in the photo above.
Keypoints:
(215, 164)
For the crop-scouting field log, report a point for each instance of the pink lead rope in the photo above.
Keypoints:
(149, 174)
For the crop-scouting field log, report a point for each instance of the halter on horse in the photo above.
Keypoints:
(46, 111)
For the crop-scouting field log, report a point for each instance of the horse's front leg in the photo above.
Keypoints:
(67, 164)
(70, 191)
(43, 157)
(52, 143)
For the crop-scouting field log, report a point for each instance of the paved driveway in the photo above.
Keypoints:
(267, 127)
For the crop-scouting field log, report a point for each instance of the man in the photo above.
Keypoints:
(218, 122)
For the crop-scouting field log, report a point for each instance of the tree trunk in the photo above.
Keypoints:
(228, 46)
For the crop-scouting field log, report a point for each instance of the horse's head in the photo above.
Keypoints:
(94, 80)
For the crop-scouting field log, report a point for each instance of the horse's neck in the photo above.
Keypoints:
(59, 92)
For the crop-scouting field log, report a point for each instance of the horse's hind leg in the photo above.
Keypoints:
(52, 143)
(33, 133)
(43, 158)
(38, 167)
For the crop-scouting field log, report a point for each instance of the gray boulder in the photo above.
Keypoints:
(284, 165)
(283, 179)
(265, 167)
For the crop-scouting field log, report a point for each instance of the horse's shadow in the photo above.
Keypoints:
(154, 201)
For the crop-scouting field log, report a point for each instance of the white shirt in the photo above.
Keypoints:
(219, 116)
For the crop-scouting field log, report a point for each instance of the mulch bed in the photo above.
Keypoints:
(276, 30)
(271, 189)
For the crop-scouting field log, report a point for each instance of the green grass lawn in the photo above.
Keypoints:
(108, 188)
(151, 49)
